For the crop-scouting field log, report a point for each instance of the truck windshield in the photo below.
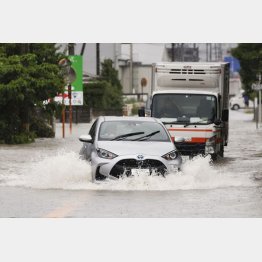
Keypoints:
(186, 108)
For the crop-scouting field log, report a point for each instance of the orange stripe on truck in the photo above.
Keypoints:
(194, 140)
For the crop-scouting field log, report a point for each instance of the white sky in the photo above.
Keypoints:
(146, 53)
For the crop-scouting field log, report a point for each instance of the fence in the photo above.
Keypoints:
(81, 114)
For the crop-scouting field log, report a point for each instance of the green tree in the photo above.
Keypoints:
(29, 75)
(105, 92)
(250, 58)
(110, 74)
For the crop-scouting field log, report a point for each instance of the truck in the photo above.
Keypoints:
(192, 100)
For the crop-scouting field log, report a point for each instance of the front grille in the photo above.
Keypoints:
(126, 166)
(187, 149)
(180, 71)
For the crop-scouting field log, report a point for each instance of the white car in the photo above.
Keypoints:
(117, 146)
(237, 102)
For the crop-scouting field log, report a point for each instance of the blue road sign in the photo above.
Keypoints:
(234, 63)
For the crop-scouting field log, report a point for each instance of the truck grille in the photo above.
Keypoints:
(180, 71)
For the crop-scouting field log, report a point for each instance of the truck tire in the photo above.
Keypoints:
(214, 157)
(221, 152)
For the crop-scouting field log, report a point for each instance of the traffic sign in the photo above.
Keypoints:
(257, 87)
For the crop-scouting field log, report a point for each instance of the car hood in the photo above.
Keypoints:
(135, 147)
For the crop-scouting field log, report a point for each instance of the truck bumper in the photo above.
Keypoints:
(188, 149)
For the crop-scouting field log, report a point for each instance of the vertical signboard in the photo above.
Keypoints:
(75, 78)
(234, 63)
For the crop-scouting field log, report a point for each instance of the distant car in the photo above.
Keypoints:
(237, 102)
(118, 146)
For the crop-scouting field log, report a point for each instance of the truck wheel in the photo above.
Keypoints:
(214, 157)
(236, 107)
(221, 152)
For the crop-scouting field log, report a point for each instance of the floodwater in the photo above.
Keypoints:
(47, 179)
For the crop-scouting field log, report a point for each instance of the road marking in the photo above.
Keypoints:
(61, 211)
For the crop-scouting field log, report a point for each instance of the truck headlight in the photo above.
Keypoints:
(211, 141)
(105, 154)
(210, 145)
(171, 155)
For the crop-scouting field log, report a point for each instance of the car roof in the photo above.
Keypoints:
(129, 118)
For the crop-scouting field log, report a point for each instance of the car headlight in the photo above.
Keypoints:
(171, 155)
(105, 154)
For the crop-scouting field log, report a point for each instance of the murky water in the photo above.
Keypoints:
(55, 164)
(47, 179)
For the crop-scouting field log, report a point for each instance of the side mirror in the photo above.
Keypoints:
(85, 138)
(141, 112)
(179, 139)
(225, 114)
(217, 122)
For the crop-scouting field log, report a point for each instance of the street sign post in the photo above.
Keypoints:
(72, 70)
(74, 77)
(258, 88)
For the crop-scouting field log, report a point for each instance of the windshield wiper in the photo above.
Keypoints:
(127, 135)
(198, 122)
(172, 122)
(146, 137)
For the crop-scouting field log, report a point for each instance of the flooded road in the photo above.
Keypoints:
(47, 179)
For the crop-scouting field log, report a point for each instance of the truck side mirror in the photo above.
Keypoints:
(217, 122)
(141, 112)
(225, 114)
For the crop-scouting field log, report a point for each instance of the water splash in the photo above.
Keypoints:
(66, 171)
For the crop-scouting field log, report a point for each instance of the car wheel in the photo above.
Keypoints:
(236, 107)
(99, 176)
(161, 172)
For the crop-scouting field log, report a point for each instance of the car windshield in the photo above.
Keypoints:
(132, 131)
(184, 108)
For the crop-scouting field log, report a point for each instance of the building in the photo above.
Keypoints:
(193, 52)
(141, 56)
(139, 71)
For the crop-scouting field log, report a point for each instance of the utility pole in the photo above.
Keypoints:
(97, 59)
(71, 51)
(182, 52)
(131, 69)
(259, 102)
(210, 52)
(71, 48)
(173, 52)
(83, 49)
(207, 52)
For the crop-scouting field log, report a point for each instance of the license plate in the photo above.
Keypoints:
(139, 171)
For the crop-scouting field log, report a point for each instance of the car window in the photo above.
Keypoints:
(112, 129)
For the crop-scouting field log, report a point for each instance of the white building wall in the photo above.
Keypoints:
(139, 72)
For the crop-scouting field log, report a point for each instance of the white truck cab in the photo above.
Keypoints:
(192, 100)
